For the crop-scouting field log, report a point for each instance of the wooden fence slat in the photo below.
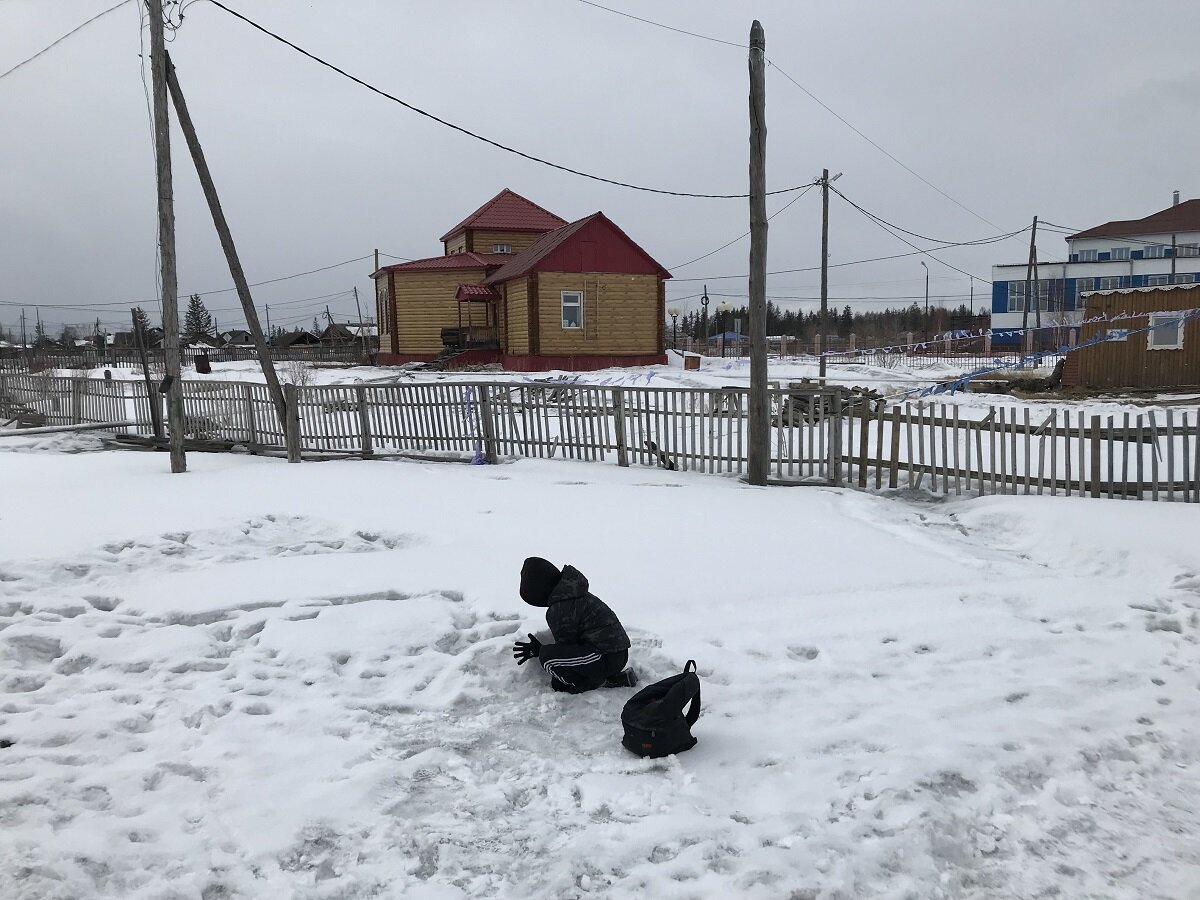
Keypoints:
(1153, 455)
(1170, 455)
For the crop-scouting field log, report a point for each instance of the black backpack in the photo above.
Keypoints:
(654, 720)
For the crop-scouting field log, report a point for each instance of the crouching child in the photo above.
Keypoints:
(591, 648)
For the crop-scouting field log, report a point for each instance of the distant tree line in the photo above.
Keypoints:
(875, 326)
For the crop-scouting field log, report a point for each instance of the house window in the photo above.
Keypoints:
(1086, 284)
(572, 309)
(1110, 284)
(502, 248)
(1120, 253)
(1153, 251)
(1157, 280)
(1166, 332)
(1087, 255)
(1016, 296)
(1188, 250)
(1185, 279)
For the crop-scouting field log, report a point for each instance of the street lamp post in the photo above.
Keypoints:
(724, 308)
(926, 300)
(673, 312)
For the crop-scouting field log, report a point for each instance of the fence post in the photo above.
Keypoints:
(488, 423)
(864, 435)
(76, 402)
(987, 344)
(364, 421)
(293, 422)
(251, 425)
(618, 396)
(1095, 443)
(894, 469)
(835, 440)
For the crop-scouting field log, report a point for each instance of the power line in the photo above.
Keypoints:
(809, 93)
(190, 293)
(747, 234)
(903, 240)
(479, 137)
(703, 37)
(859, 262)
(906, 168)
(51, 46)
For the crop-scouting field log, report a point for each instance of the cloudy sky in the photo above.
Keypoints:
(1079, 111)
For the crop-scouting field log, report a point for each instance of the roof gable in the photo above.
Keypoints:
(565, 250)
(508, 211)
(1183, 216)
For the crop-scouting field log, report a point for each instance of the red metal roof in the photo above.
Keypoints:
(1183, 216)
(454, 261)
(508, 212)
(530, 258)
(476, 292)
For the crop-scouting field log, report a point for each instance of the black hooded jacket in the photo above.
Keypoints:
(577, 617)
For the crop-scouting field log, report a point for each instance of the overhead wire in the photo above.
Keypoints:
(747, 234)
(479, 137)
(55, 43)
(773, 64)
(859, 262)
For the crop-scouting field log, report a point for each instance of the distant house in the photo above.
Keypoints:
(289, 339)
(520, 286)
(1149, 338)
(345, 333)
(125, 340)
(1160, 249)
(236, 337)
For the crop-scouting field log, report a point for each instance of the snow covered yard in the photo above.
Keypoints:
(260, 680)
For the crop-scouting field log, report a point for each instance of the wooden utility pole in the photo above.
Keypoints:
(226, 238)
(362, 334)
(139, 337)
(166, 235)
(824, 262)
(759, 442)
(1028, 282)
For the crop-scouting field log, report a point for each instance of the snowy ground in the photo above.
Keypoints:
(260, 680)
(904, 381)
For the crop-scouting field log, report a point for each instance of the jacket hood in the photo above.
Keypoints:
(571, 585)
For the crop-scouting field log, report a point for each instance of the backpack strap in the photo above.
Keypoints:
(693, 712)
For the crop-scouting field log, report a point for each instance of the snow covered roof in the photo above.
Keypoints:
(1143, 290)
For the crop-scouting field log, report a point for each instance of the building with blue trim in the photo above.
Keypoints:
(1161, 249)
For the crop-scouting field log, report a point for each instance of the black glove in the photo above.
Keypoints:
(523, 651)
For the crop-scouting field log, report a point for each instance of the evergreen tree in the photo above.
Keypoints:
(39, 332)
(198, 321)
(141, 320)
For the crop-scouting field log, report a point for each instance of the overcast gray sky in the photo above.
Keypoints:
(1079, 111)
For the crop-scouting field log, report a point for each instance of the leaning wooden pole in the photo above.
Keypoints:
(760, 423)
(139, 335)
(166, 236)
(226, 237)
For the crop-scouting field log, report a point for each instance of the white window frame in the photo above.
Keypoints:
(1157, 280)
(1119, 253)
(1016, 296)
(502, 248)
(1185, 278)
(1083, 285)
(1154, 251)
(1188, 250)
(1088, 255)
(1110, 287)
(1162, 332)
(577, 303)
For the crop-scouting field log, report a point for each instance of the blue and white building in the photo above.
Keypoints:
(1161, 249)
